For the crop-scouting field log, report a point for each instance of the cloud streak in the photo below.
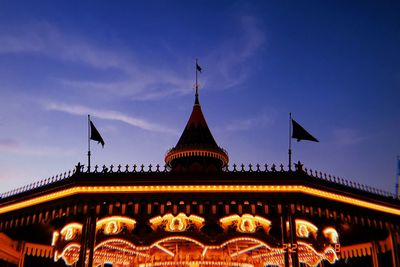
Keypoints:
(12, 146)
(226, 66)
(109, 115)
(8, 144)
(229, 62)
(348, 137)
(245, 124)
(142, 81)
(43, 38)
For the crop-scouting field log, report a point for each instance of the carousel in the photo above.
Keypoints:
(198, 211)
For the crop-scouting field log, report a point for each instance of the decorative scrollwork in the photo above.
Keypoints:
(304, 229)
(115, 224)
(331, 234)
(178, 223)
(246, 223)
(70, 231)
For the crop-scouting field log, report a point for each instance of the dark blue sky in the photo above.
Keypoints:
(130, 64)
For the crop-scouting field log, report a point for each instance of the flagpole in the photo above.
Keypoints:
(197, 86)
(88, 143)
(398, 178)
(290, 141)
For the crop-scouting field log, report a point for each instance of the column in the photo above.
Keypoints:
(285, 239)
(393, 242)
(87, 241)
(293, 241)
(21, 262)
(92, 238)
(374, 254)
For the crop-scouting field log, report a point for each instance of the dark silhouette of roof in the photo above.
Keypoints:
(196, 131)
(196, 145)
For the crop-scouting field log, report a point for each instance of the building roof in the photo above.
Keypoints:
(196, 148)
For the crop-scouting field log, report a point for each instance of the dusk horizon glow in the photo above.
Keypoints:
(335, 66)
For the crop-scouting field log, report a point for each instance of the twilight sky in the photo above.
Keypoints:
(130, 64)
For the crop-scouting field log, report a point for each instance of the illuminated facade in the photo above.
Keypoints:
(198, 212)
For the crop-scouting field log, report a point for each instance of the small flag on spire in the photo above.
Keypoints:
(198, 67)
(300, 133)
(95, 135)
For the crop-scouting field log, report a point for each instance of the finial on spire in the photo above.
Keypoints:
(198, 69)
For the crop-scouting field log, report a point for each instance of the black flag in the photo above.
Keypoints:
(300, 133)
(95, 135)
(198, 67)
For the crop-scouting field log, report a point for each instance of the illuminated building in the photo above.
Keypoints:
(196, 212)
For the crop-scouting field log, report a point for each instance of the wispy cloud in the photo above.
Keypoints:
(12, 146)
(46, 39)
(245, 124)
(348, 137)
(229, 62)
(226, 65)
(8, 144)
(150, 86)
(109, 115)
(142, 81)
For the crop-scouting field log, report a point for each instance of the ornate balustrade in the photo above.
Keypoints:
(348, 183)
(38, 184)
(250, 168)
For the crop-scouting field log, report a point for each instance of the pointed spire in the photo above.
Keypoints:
(196, 148)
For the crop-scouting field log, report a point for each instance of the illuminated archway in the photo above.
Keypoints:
(115, 245)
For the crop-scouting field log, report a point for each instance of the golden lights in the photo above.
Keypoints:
(307, 254)
(121, 245)
(241, 249)
(184, 251)
(331, 234)
(194, 263)
(115, 224)
(246, 223)
(212, 153)
(304, 228)
(70, 254)
(70, 231)
(199, 188)
(110, 225)
(178, 223)
(54, 240)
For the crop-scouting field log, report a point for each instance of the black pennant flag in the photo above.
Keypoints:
(198, 67)
(95, 135)
(300, 133)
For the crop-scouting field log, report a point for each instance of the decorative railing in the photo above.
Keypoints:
(127, 169)
(41, 183)
(348, 183)
(164, 168)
